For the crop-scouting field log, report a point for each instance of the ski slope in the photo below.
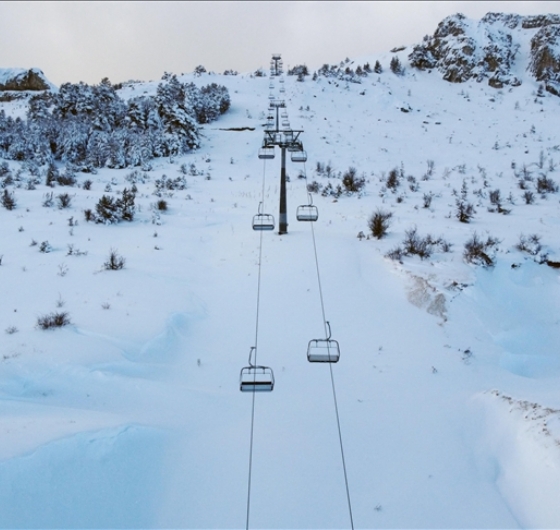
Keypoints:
(447, 385)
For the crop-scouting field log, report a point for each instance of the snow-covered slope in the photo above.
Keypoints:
(447, 384)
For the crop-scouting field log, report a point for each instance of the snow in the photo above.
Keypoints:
(132, 417)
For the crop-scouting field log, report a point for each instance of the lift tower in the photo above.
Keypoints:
(286, 139)
(276, 65)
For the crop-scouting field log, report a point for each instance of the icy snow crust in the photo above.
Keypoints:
(448, 376)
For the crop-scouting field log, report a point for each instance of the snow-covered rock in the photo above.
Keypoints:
(493, 49)
(20, 79)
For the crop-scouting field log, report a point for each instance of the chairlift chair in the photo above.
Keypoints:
(285, 123)
(254, 378)
(307, 212)
(266, 152)
(263, 221)
(299, 156)
(323, 350)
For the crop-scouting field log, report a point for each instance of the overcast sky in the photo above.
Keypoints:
(86, 41)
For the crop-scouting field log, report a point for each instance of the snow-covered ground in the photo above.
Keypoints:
(448, 379)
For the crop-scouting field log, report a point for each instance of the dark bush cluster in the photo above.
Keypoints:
(352, 182)
(115, 261)
(479, 251)
(379, 223)
(53, 320)
(415, 245)
(8, 200)
(111, 210)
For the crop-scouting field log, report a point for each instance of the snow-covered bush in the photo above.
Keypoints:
(480, 252)
(529, 244)
(8, 200)
(53, 320)
(110, 210)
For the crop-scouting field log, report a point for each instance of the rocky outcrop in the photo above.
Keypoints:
(18, 79)
(545, 57)
(463, 49)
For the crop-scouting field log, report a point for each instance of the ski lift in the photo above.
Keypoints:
(256, 378)
(266, 152)
(299, 156)
(307, 212)
(285, 123)
(323, 350)
(263, 221)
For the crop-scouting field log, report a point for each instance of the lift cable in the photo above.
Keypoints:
(255, 359)
(327, 334)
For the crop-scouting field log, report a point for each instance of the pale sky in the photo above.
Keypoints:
(86, 41)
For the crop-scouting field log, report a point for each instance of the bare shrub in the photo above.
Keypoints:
(53, 320)
(546, 185)
(379, 223)
(465, 210)
(393, 180)
(351, 182)
(529, 244)
(115, 261)
(64, 200)
(478, 251)
(529, 197)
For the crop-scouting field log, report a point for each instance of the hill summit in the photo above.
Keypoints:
(498, 49)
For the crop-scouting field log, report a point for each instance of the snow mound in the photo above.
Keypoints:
(101, 479)
(522, 448)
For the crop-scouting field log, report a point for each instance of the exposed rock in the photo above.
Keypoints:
(18, 79)
(545, 57)
(462, 49)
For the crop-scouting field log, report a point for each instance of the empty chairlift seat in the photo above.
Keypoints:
(263, 221)
(299, 156)
(256, 378)
(307, 212)
(266, 152)
(323, 350)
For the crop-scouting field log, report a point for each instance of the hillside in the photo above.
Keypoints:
(131, 416)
